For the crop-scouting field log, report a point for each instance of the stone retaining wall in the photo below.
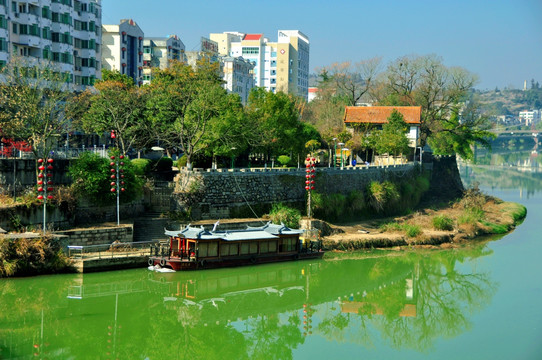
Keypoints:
(98, 236)
(228, 193)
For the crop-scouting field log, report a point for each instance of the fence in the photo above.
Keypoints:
(110, 251)
(57, 153)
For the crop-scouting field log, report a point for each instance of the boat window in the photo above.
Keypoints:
(244, 248)
(264, 247)
(213, 249)
(254, 248)
(228, 249)
(272, 246)
(203, 249)
(287, 245)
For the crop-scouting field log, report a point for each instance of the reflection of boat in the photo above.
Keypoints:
(196, 248)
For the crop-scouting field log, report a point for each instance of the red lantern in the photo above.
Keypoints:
(50, 167)
(49, 182)
(313, 159)
(40, 189)
(113, 176)
(112, 170)
(308, 159)
(112, 163)
(112, 183)
(121, 157)
(41, 168)
(40, 197)
(121, 163)
(40, 175)
(307, 182)
(121, 170)
(50, 161)
(121, 189)
(112, 189)
(49, 175)
(122, 182)
(40, 182)
(49, 189)
(112, 158)
(113, 134)
(122, 176)
(312, 187)
(306, 188)
(40, 161)
(50, 197)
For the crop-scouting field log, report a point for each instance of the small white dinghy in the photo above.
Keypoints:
(158, 268)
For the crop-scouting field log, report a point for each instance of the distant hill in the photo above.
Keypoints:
(509, 102)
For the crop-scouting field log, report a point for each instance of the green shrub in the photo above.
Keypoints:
(283, 214)
(163, 164)
(142, 167)
(443, 222)
(182, 161)
(91, 175)
(412, 230)
(284, 160)
(471, 216)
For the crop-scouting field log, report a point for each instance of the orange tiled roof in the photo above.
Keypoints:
(380, 114)
(252, 37)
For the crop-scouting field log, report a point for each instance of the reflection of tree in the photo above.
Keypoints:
(270, 339)
(443, 298)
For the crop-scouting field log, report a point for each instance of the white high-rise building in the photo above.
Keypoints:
(158, 52)
(123, 49)
(66, 33)
(278, 66)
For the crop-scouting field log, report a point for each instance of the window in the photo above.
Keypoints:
(250, 50)
(3, 22)
(23, 29)
(287, 245)
(46, 53)
(46, 12)
(268, 247)
(14, 28)
(55, 16)
(3, 44)
(46, 33)
(229, 249)
(34, 30)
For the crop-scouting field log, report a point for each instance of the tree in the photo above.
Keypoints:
(393, 139)
(275, 118)
(117, 106)
(354, 80)
(439, 90)
(32, 103)
(182, 102)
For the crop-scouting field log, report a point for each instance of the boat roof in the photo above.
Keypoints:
(276, 229)
(228, 235)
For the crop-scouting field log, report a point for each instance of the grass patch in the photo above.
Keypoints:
(281, 213)
(443, 222)
(408, 229)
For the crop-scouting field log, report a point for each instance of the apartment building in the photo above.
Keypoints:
(278, 66)
(237, 76)
(158, 52)
(529, 117)
(65, 34)
(122, 49)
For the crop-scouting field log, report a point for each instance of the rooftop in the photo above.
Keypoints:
(380, 114)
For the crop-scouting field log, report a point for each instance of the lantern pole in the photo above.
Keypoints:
(309, 182)
(45, 185)
(117, 171)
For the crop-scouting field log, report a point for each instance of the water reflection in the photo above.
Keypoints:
(410, 300)
(506, 170)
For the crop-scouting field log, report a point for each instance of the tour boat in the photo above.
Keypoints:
(197, 248)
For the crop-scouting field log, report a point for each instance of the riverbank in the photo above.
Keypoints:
(472, 216)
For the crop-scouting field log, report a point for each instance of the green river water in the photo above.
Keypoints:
(479, 302)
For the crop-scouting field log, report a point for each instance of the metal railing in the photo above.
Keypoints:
(57, 153)
(109, 251)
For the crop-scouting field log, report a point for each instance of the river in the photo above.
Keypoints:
(478, 302)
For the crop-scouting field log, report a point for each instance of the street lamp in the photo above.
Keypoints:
(232, 156)
(342, 150)
(334, 151)
(341, 144)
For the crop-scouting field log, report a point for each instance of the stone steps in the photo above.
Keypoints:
(150, 227)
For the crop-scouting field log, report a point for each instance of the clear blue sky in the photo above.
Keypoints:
(499, 40)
